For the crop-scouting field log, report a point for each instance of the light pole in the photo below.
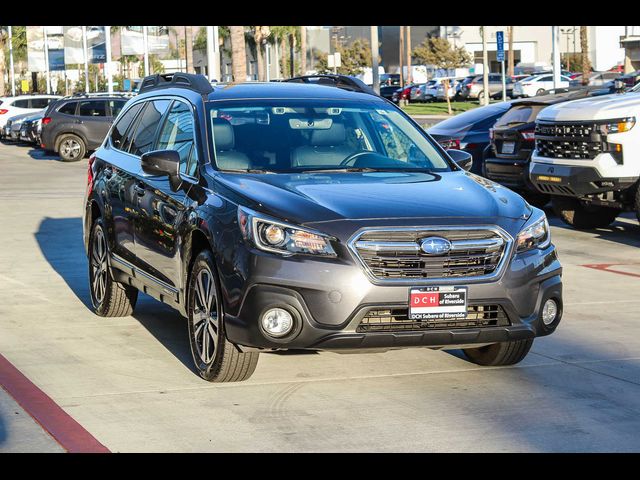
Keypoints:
(567, 32)
(556, 55)
(12, 74)
(374, 59)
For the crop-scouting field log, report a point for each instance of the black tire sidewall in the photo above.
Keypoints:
(98, 307)
(206, 371)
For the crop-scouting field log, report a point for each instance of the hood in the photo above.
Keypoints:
(319, 197)
(594, 108)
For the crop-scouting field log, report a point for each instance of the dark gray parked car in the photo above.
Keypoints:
(305, 216)
(73, 126)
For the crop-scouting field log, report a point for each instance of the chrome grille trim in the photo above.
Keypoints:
(486, 240)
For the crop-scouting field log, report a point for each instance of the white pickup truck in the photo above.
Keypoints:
(587, 157)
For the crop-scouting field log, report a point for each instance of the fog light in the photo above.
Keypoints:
(549, 312)
(277, 322)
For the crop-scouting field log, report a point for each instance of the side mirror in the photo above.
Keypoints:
(463, 159)
(163, 163)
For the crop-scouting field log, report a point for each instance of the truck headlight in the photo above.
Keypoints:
(617, 126)
(535, 235)
(275, 236)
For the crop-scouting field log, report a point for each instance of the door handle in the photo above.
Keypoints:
(139, 189)
(78, 121)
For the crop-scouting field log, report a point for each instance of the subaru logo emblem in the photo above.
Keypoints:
(435, 246)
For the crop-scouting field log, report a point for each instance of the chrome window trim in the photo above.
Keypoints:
(504, 259)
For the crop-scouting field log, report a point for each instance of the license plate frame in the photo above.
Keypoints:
(508, 147)
(438, 303)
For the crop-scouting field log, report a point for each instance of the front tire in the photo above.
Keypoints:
(108, 297)
(499, 354)
(215, 358)
(583, 216)
(71, 148)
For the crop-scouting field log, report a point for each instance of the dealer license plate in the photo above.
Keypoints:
(438, 303)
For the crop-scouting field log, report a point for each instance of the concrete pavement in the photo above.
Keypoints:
(129, 381)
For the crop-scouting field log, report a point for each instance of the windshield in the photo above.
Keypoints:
(310, 135)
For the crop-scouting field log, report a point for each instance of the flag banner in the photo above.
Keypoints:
(55, 46)
(96, 44)
(158, 40)
(131, 42)
(73, 50)
(35, 49)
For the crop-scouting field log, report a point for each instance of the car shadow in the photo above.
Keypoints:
(61, 244)
(39, 154)
(624, 230)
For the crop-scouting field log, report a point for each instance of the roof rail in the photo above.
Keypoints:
(197, 83)
(334, 80)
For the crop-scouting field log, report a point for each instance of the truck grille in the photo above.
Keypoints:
(395, 254)
(562, 140)
(397, 319)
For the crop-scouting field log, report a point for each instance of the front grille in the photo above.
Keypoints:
(397, 320)
(395, 254)
(563, 140)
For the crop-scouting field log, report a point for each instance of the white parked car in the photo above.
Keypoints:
(537, 84)
(12, 106)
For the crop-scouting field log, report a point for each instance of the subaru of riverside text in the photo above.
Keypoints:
(312, 214)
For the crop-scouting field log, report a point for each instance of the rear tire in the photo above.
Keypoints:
(215, 358)
(582, 216)
(540, 92)
(108, 297)
(71, 148)
(498, 354)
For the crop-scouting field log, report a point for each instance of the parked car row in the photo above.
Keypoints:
(577, 148)
(70, 126)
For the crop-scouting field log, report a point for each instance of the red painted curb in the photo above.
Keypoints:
(605, 267)
(61, 426)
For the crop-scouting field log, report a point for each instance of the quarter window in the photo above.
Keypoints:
(93, 108)
(178, 134)
(118, 138)
(147, 126)
(116, 106)
(39, 102)
(68, 108)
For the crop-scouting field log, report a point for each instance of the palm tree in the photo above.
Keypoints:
(260, 33)
(188, 39)
(303, 50)
(584, 48)
(238, 54)
(3, 40)
(511, 60)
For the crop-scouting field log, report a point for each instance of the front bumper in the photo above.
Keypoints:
(574, 181)
(329, 300)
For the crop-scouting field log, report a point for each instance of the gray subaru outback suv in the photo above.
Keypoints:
(310, 216)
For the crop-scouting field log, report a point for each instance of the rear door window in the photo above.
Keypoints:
(39, 102)
(145, 130)
(21, 103)
(93, 108)
(119, 137)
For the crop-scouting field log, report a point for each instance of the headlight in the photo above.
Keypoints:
(274, 236)
(536, 235)
(617, 126)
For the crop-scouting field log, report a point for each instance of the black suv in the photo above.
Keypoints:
(73, 126)
(292, 215)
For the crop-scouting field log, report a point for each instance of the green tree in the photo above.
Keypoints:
(353, 59)
(441, 54)
(155, 65)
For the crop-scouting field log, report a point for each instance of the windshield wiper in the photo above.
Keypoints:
(365, 170)
(247, 170)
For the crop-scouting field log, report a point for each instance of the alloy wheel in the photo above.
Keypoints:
(205, 316)
(70, 149)
(99, 266)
